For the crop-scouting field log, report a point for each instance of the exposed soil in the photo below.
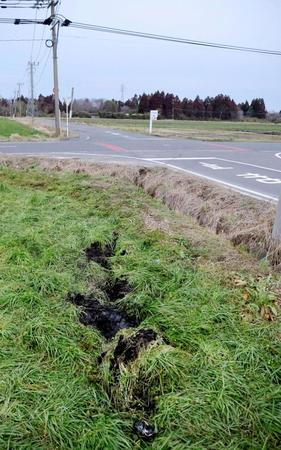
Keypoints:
(140, 395)
(128, 347)
(100, 253)
(118, 289)
(108, 320)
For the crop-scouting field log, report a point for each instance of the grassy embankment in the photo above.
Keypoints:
(11, 129)
(202, 130)
(212, 378)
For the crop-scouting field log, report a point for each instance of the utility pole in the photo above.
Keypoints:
(15, 104)
(71, 105)
(55, 35)
(32, 66)
(122, 93)
(19, 96)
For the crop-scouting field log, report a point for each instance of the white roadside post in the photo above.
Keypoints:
(153, 116)
(67, 102)
(276, 232)
(71, 103)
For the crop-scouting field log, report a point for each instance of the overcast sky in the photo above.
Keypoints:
(97, 64)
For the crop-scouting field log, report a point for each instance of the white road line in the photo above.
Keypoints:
(219, 159)
(63, 155)
(236, 188)
(7, 146)
(180, 159)
(115, 133)
(249, 164)
(278, 155)
(249, 192)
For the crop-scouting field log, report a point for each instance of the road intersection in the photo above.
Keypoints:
(253, 168)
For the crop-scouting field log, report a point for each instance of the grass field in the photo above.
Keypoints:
(13, 129)
(211, 378)
(203, 130)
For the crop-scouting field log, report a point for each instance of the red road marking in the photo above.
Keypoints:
(114, 148)
(229, 147)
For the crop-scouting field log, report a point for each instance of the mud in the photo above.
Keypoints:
(100, 253)
(118, 289)
(108, 320)
(128, 348)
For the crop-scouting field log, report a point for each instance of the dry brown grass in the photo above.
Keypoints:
(240, 219)
(48, 131)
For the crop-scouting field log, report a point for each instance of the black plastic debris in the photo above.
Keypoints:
(144, 429)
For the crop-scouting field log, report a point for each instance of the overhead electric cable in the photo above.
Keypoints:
(170, 38)
(21, 40)
(42, 39)
(43, 68)
(33, 36)
(24, 4)
(69, 24)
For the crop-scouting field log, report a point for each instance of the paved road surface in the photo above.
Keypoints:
(252, 168)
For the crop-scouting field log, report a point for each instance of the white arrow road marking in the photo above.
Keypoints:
(249, 164)
(235, 187)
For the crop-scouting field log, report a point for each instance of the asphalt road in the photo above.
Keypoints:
(252, 168)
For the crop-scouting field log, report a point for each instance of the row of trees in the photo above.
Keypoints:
(170, 106)
(219, 107)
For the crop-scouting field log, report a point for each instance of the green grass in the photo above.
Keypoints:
(214, 374)
(8, 128)
(205, 130)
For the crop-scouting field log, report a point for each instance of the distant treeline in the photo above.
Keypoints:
(170, 106)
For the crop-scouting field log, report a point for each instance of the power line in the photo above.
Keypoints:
(42, 38)
(21, 40)
(38, 4)
(43, 68)
(33, 36)
(171, 38)
(25, 21)
(67, 23)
